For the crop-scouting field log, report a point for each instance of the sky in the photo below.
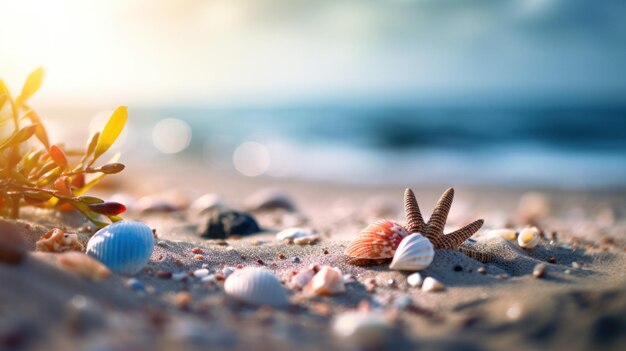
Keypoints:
(232, 52)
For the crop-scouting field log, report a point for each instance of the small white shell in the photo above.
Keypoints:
(363, 328)
(292, 233)
(505, 233)
(528, 238)
(124, 247)
(255, 286)
(415, 280)
(327, 281)
(432, 285)
(414, 253)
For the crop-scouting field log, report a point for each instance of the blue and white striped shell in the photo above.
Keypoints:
(414, 253)
(124, 247)
(255, 286)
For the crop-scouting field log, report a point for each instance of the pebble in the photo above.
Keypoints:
(540, 270)
(307, 240)
(12, 246)
(226, 271)
(575, 265)
(221, 224)
(205, 265)
(295, 260)
(552, 260)
(136, 285)
(198, 257)
(183, 300)
(391, 283)
(482, 270)
(201, 273)
(291, 234)
(432, 285)
(415, 280)
(458, 268)
(164, 275)
(197, 250)
(567, 271)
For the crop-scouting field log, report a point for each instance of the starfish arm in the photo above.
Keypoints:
(414, 220)
(458, 237)
(484, 257)
(437, 220)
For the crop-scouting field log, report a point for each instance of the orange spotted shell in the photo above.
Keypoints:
(378, 241)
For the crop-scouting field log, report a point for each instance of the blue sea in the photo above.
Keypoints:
(569, 147)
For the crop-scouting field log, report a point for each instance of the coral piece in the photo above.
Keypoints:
(57, 241)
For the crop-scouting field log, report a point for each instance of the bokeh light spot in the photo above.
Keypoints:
(171, 135)
(251, 159)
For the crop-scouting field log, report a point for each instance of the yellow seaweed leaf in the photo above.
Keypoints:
(111, 131)
(32, 84)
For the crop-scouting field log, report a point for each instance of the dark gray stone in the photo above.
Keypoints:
(222, 223)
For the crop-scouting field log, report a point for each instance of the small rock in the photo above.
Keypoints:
(183, 300)
(540, 270)
(482, 270)
(208, 278)
(567, 271)
(575, 265)
(295, 259)
(83, 265)
(552, 260)
(432, 285)
(307, 240)
(164, 275)
(201, 273)
(415, 280)
(223, 223)
(197, 250)
(391, 283)
(198, 257)
(458, 268)
(281, 256)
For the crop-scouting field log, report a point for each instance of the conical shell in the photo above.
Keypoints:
(414, 253)
(124, 247)
(256, 286)
(378, 241)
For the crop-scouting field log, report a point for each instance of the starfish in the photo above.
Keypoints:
(433, 230)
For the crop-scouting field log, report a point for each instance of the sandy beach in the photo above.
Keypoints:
(579, 304)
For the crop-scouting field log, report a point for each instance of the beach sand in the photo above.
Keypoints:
(580, 304)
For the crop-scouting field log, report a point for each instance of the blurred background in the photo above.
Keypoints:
(513, 93)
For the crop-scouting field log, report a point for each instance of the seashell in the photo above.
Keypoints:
(12, 245)
(83, 265)
(125, 247)
(378, 241)
(292, 233)
(432, 285)
(57, 240)
(303, 277)
(327, 281)
(528, 238)
(414, 253)
(364, 328)
(415, 280)
(255, 286)
(507, 234)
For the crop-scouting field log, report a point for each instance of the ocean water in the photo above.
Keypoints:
(543, 146)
